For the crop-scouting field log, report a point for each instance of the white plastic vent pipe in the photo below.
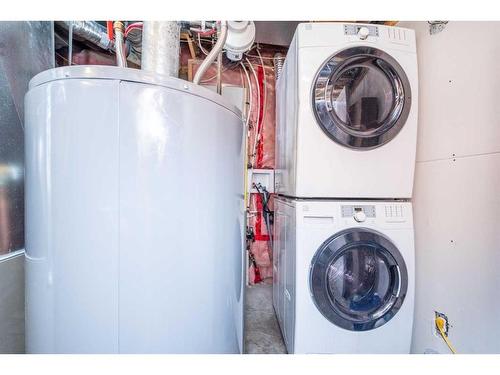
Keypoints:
(213, 53)
(160, 47)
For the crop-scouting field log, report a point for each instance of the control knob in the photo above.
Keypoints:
(363, 33)
(359, 216)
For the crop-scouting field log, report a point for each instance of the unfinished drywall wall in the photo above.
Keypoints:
(456, 195)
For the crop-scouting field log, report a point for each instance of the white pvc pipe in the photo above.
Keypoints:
(213, 53)
(160, 47)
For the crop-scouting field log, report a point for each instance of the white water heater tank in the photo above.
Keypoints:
(134, 214)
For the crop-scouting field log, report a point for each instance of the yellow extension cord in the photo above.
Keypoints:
(440, 323)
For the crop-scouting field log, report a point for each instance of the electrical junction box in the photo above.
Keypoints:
(264, 176)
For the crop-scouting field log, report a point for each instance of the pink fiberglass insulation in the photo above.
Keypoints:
(264, 151)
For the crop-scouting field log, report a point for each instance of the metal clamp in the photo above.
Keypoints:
(436, 27)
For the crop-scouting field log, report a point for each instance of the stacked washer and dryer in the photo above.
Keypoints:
(343, 254)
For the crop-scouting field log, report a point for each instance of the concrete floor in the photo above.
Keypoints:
(262, 333)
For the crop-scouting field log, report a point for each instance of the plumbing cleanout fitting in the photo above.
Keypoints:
(121, 58)
(160, 47)
(213, 53)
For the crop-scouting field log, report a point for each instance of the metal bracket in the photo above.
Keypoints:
(436, 27)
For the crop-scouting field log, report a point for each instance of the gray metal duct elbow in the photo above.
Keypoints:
(89, 30)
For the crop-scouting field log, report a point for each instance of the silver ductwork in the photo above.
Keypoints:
(26, 49)
(89, 30)
(160, 47)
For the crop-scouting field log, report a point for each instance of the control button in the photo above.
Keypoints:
(363, 33)
(359, 216)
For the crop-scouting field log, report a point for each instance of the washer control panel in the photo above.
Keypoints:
(359, 213)
(363, 31)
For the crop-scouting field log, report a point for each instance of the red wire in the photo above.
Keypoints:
(109, 27)
(133, 26)
(206, 33)
(258, 221)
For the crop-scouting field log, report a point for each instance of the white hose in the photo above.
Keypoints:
(249, 109)
(257, 134)
(213, 53)
(264, 100)
(247, 133)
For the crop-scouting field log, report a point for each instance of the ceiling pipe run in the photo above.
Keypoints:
(160, 47)
(89, 30)
(94, 33)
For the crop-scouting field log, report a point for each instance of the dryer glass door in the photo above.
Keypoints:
(361, 97)
(358, 279)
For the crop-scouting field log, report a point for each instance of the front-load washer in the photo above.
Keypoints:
(347, 112)
(344, 275)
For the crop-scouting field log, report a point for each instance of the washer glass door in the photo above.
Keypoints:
(358, 279)
(361, 97)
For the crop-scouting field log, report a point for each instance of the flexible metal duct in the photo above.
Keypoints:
(160, 47)
(121, 58)
(279, 60)
(213, 53)
(89, 30)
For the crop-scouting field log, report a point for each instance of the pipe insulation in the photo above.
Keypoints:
(89, 30)
(161, 47)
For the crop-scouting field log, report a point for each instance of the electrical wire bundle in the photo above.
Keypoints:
(266, 213)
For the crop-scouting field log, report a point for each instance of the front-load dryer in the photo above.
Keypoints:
(347, 102)
(344, 275)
